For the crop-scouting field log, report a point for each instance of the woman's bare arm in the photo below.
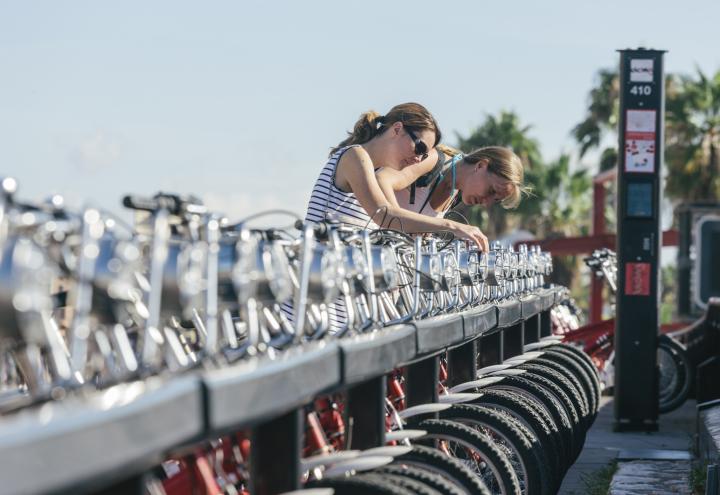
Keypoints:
(391, 180)
(355, 171)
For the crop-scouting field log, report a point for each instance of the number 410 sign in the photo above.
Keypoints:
(641, 71)
(639, 123)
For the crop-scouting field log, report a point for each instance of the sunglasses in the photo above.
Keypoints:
(421, 148)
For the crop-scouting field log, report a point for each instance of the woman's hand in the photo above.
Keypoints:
(471, 233)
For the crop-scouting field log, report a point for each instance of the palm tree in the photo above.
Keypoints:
(559, 207)
(601, 118)
(504, 130)
(693, 137)
(562, 198)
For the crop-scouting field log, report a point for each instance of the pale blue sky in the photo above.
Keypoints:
(238, 102)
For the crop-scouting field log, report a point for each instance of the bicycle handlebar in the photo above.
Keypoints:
(320, 229)
(173, 203)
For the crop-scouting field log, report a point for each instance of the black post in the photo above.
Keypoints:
(275, 454)
(422, 381)
(512, 341)
(684, 262)
(461, 364)
(491, 349)
(135, 485)
(531, 330)
(366, 407)
(545, 324)
(642, 122)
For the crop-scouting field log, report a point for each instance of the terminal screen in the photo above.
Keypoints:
(639, 200)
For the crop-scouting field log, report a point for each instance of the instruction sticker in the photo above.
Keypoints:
(641, 70)
(639, 155)
(637, 279)
(640, 141)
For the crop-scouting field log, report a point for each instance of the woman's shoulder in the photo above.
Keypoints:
(352, 150)
(354, 153)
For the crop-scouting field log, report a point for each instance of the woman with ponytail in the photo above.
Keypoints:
(347, 188)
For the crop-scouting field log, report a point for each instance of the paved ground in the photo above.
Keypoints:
(603, 445)
(652, 478)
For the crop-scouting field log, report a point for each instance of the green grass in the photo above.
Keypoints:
(697, 478)
(598, 482)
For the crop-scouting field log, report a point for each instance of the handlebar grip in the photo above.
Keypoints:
(139, 203)
(320, 229)
(27, 207)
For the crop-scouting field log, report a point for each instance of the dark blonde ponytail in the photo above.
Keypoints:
(371, 123)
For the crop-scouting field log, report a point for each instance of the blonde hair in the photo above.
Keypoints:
(506, 165)
(447, 150)
(370, 124)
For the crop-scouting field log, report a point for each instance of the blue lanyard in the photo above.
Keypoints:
(441, 176)
(455, 159)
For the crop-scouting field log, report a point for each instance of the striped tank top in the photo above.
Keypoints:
(326, 200)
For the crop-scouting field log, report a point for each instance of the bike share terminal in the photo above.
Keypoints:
(638, 239)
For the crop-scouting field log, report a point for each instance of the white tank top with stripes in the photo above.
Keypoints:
(327, 200)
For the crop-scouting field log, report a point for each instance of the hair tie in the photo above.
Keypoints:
(379, 120)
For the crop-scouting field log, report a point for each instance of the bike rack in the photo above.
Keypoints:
(82, 443)
(366, 360)
(250, 391)
(98, 448)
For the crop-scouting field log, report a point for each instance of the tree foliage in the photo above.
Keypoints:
(693, 137)
(602, 113)
(505, 129)
(559, 203)
(692, 132)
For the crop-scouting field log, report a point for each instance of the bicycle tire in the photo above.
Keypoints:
(530, 415)
(580, 390)
(529, 434)
(524, 453)
(684, 371)
(405, 482)
(359, 485)
(561, 387)
(434, 481)
(499, 474)
(524, 385)
(582, 361)
(574, 431)
(450, 468)
(669, 371)
(580, 354)
(572, 364)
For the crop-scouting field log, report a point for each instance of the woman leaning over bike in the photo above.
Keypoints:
(347, 187)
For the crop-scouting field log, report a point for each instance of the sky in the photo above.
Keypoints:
(238, 102)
